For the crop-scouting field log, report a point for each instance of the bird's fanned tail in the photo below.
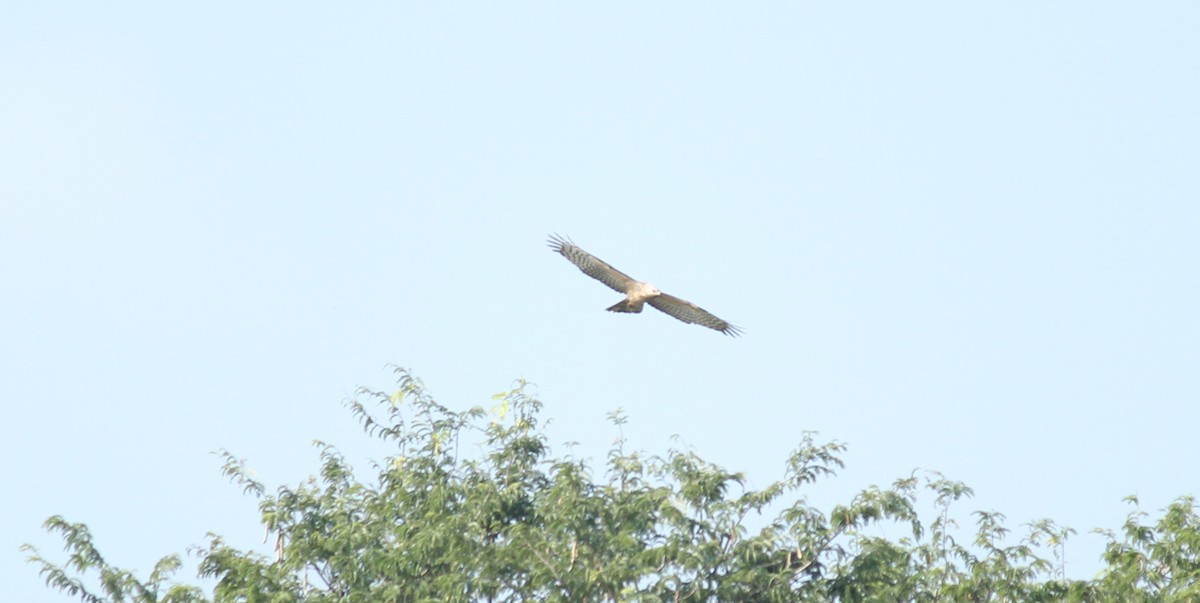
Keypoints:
(626, 306)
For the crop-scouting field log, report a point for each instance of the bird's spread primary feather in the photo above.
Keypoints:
(637, 292)
(591, 265)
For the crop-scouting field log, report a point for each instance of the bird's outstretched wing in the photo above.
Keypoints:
(592, 265)
(691, 313)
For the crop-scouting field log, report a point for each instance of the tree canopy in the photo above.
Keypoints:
(515, 522)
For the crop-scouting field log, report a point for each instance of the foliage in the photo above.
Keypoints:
(516, 523)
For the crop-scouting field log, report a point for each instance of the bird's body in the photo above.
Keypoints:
(638, 293)
(635, 297)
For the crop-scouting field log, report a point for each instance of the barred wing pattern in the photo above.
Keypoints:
(592, 265)
(691, 313)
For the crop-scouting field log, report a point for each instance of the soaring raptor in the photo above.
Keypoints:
(636, 292)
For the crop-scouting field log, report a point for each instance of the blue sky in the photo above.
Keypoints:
(959, 237)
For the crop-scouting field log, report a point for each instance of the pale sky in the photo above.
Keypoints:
(959, 237)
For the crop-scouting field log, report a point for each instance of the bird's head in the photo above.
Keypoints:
(643, 290)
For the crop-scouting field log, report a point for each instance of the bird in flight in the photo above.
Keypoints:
(636, 292)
